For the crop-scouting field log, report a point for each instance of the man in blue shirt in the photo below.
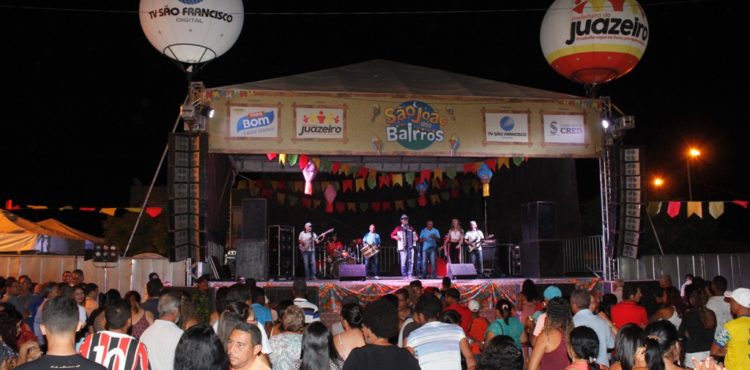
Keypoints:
(429, 237)
(262, 313)
(372, 239)
(580, 300)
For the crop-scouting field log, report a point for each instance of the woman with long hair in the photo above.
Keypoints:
(352, 337)
(628, 353)
(454, 240)
(506, 324)
(672, 307)
(662, 346)
(318, 352)
(281, 307)
(233, 314)
(200, 349)
(583, 348)
(500, 353)
(287, 345)
(17, 336)
(550, 349)
(140, 318)
(698, 326)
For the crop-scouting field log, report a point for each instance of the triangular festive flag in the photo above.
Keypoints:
(434, 198)
(336, 185)
(303, 159)
(129, 209)
(274, 184)
(411, 202)
(445, 195)
(384, 180)
(254, 191)
(293, 159)
(741, 203)
(306, 202)
(347, 185)
(87, 209)
(108, 211)
(491, 163)
(653, 208)
(438, 173)
(517, 161)
(271, 156)
(695, 208)
(351, 206)
(36, 207)
(362, 172)
(372, 182)
(241, 184)
(340, 207)
(386, 206)
(424, 175)
(673, 209)
(716, 209)
(409, 177)
(316, 160)
(317, 187)
(299, 186)
(397, 179)
(317, 203)
(280, 197)
(281, 185)
(325, 166)
(336, 167)
(364, 206)
(293, 200)
(436, 183)
(476, 184)
(359, 184)
(375, 206)
(266, 193)
(450, 171)
(346, 169)
(154, 212)
(398, 204)
(470, 168)
(455, 193)
(282, 159)
(502, 162)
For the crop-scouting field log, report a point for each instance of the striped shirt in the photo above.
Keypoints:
(115, 351)
(436, 345)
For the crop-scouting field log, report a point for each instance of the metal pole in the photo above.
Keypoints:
(690, 183)
(656, 236)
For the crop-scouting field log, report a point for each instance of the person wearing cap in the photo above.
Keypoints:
(733, 340)
(477, 328)
(307, 240)
(406, 241)
(474, 237)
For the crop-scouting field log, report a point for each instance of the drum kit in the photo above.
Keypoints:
(356, 252)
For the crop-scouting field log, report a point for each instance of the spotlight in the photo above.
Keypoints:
(187, 111)
(605, 123)
(206, 111)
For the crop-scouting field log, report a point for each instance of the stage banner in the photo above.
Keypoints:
(354, 124)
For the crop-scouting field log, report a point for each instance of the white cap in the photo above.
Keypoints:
(474, 305)
(740, 295)
(307, 224)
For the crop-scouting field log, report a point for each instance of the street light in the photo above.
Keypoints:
(658, 182)
(692, 154)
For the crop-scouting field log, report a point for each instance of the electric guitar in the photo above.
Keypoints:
(478, 243)
(304, 248)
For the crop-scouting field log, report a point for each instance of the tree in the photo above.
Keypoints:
(151, 235)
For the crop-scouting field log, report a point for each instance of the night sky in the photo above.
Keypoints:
(89, 102)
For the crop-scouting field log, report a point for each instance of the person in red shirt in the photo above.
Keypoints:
(113, 347)
(479, 326)
(628, 311)
(452, 298)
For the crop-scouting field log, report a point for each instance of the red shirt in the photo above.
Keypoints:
(466, 316)
(629, 312)
(478, 328)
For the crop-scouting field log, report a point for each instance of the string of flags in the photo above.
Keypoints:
(674, 208)
(153, 212)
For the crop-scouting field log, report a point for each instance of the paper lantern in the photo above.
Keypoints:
(485, 175)
(421, 189)
(592, 42)
(330, 195)
(192, 31)
(309, 173)
(455, 143)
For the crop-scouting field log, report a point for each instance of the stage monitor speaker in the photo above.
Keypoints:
(462, 271)
(538, 221)
(352, 272)
(254, 224)
(541, 259)
(252, 259)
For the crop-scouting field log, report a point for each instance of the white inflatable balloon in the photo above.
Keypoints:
(192, 31)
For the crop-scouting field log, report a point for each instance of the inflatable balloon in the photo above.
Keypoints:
(594, 41)
(192, 31)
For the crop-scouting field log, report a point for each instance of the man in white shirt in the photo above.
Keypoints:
(299, 290)
(162, 336)
(306, 241)
(717, 304)
(472, 238)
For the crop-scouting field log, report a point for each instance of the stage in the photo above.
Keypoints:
(328, 294)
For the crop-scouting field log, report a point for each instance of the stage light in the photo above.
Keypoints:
(694, 152)
(658, 182)
(605, 123)
(206, 111)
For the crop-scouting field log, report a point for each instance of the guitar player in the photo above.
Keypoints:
(306, 241)
(473, 239)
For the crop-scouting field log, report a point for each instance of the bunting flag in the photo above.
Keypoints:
(108, 211)
(87, 209)
(359, 184)
(397, 179)
(317, 203)
(340, 207)
(376, 206)
(476, 185)
(325, 165)
(502, 162)
(282, 159)
(281, 185)
(36, 207)
(303, 160)
(280, 197)
(455, 193)
(316, 160)
(398, 204)
(384, 180)
(450, 171)
(716, 209)
(491, 163)
(129, 209)
(424, 175)
(362, 172)
(351, 206)
(438, 173)
(306, 202)
(346, 169)
(372, 181)
(741, 203)
(437, 184)
(673, 209)
(254, 191)
(387, 206)
(411, 202)
(293, 159)
(271, 156)
(241, 184)
(354, 170)
(336, 167)
(9, 205)
(154, 212)
(434, 199)
(299, 186)
(266, 193)
(347, 185)
(445, 195)
(293, 200)
(363, 206)
(517, 161)
(470, 168)
(274, 184)
(653, 208)
(695, 208)
(409, 177)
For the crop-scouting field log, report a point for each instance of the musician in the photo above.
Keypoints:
(454, 240)
(334, 247)
(429, 237)
(473, 238)
(406, 240)
(371, 239)
(307, 240)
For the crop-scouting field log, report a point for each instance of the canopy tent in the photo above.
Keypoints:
(57, 226)
(20, 235)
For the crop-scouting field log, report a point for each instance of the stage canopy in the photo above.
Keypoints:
(57, 226)
(380, 108)
(20, 235)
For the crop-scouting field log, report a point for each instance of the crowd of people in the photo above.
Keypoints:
(71, 324)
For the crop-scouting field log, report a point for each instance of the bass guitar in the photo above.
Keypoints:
(304, 248)
(478, 243)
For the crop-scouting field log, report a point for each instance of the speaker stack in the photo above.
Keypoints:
(541, 252)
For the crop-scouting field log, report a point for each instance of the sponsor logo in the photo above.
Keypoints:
(190, 14)
(255, 120)
(320, 123)
(190, 2)
(414, 124)
(601, 23)
(507, 123)
(507, 127)
(556, 128)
